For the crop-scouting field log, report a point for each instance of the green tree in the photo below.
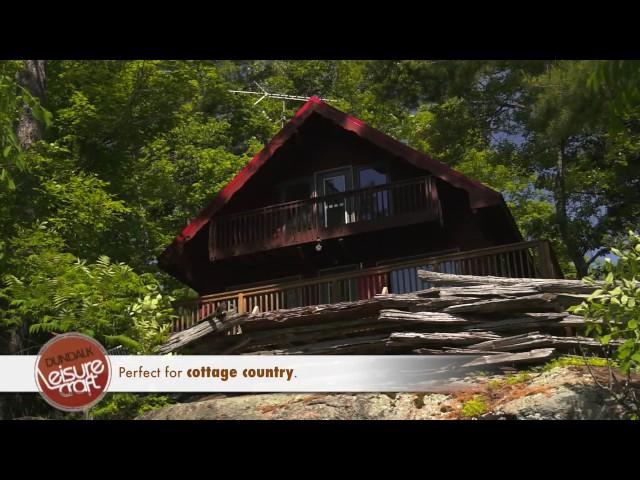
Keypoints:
(618, 81)
(613, 315)
(575, 160)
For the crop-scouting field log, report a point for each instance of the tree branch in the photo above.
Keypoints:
(599, 253)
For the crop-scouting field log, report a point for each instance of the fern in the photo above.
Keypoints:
(130, 343)
(109, 301)
(103, 260)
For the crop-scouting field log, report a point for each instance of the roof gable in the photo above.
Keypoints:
(479, 195)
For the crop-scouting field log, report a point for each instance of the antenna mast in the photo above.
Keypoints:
(278, 96)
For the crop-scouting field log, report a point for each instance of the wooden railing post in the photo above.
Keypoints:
(335, 287)
(240, 305)
(544, 256)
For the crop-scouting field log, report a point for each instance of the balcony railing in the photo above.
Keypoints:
(320, 218)
(519, 260)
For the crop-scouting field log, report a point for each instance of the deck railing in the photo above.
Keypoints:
(532, 259)
(320, 218)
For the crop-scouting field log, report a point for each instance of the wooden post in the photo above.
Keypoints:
(212, 240)
(241, 303)
(544, 256)
(335, 287)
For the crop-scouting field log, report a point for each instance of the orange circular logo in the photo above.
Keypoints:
(73, 372)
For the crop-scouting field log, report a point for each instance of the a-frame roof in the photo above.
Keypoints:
(479, 195)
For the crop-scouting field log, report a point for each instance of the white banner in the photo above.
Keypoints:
(258, 373)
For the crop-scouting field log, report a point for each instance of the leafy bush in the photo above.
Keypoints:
(475, 407)
(613, 309)
(58, 293)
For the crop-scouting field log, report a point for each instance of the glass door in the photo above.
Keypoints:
(336, 210)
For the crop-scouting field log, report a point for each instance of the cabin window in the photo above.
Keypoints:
(372, 176)
(378, 203)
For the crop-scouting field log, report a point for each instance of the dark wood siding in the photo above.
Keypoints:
(320, 145)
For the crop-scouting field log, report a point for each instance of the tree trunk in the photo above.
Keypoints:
(29, 130)
(32, 78)
(577, 257)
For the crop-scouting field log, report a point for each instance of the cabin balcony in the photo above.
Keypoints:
(325, 217)
(533, 259)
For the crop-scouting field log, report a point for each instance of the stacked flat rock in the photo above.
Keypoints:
(498, 320)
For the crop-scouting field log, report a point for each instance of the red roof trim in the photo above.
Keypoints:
(479, 194)
(247, 172)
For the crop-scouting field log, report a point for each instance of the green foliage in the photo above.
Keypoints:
(475, 407)
(10, 152)
(619, 80)
(182, 170)
(13, 99)
(510, 380)
(613, 310)
(495, 384)
(58, 292)
(150, 327)
(521, 377)
(585, 170)
(572, 361)
(432, 130)
(127, 406)
(81, 210)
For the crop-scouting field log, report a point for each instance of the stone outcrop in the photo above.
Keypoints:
(562, 393)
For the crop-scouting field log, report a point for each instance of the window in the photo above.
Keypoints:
(335, 184)
(371, 177)
(377, 205)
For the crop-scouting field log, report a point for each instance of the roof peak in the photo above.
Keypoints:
(479, 194)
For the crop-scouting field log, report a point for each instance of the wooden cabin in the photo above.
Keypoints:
(335, 210)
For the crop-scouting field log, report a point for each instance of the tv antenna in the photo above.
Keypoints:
(278, 96)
